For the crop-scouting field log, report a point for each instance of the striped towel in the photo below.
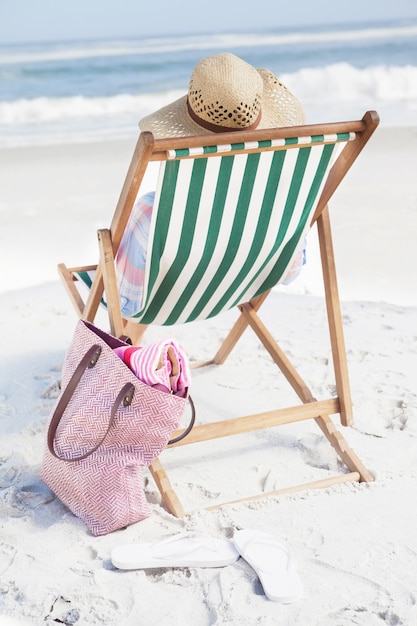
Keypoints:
(131, 255)
(162, 364)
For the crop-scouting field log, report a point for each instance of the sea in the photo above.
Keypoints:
(77, 91)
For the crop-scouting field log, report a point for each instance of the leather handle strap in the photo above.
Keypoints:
(124, 397)
(189, 427)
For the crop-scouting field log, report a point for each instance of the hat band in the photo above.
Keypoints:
(215, 128)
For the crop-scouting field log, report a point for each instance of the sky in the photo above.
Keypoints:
(55, 20)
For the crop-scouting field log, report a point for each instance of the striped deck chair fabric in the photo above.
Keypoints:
(225, 228)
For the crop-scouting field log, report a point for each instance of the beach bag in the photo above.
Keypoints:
(108, 424)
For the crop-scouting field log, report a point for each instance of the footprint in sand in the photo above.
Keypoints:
(7, 556)
(23, 498)
(8, 477)
(318, 453)
(53, 382)
(6, 410)
(201, 491)
(399, 416)
(52, 391)
(371, 605)
(361, 616)
(63, 612)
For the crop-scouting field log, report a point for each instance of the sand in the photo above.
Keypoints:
(355, 544)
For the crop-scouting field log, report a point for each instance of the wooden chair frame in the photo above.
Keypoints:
(149, 149)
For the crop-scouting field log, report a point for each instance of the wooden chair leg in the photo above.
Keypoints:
(237, 331)
(334, 317)
(110, 282)
(335, 438)
(339, 443)
(67, 278)
(168, 494)
(94, 296)
(134, 331)
(85, 309)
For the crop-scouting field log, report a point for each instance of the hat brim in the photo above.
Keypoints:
(172, 120)
(279, 108)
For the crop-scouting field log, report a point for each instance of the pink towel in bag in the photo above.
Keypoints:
(162, 364)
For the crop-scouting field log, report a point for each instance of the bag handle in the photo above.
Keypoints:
(189, 427)
(124, 397)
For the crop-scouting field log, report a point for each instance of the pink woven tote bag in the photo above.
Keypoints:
(106, 426)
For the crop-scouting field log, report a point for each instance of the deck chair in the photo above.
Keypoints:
(230, 212)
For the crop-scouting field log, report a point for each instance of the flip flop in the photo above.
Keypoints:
(177, 551)
(273, 562)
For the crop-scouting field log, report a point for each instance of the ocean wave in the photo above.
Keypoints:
(334, 92)
(341, 82)
(314, 86)
(223, 41)
(38, 110)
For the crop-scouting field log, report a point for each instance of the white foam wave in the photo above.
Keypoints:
(341, 82)
(206, 42)
(333, 83)
(39, 110)
(338, 91)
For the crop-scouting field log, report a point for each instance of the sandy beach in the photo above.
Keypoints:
(355, 544)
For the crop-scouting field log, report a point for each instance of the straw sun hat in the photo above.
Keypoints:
(226, 93)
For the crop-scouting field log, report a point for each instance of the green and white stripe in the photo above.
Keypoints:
(254, 145)
(225, 228)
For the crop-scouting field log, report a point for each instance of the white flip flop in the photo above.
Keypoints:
(178, 551)
(273, 562)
